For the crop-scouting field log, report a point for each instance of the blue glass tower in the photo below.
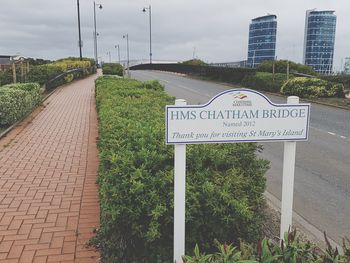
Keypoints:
(319, 40)
(262, 40)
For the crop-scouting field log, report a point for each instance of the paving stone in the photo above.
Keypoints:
(48, 169)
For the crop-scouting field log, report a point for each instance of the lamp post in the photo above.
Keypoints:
(118, 49)
(80, 43)
(150, 31)
(109, 56)
(127, 50)
(95, 32)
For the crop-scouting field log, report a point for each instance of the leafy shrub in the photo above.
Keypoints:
(265, 81)
(343, 79)
(6, 77)
(112, 69)
(196, 62)
(225, 182)
(232, 75)
(16, 100)
(90, 60)
(37, 61)
(151, 84)
(69, 78)
(312, 88)
(290, 250)
(43, 73)
(281, 67)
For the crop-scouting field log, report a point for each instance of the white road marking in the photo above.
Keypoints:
(334, 134)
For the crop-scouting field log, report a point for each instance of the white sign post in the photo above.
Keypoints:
(238, 115)
(288, 180)
(179, 196)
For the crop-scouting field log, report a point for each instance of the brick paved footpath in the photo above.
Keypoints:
(48, 193)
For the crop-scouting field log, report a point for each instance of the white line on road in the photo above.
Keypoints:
(334, 134)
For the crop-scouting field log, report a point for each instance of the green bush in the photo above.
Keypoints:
(224, 188)
(265, 81)
(312, 88)
(151, 84)
(290, 250)
(112, 69)
(16, 100)
(343, 79)
(90, 60)
(195, 62)
(6, 77)
(281, 67)
(43, 73)
(232, 75)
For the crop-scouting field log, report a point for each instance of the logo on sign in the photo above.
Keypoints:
(240, 100)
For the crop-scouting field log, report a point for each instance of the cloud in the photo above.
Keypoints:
(216, 30)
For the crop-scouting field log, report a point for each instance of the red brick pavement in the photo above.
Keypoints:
(48, 193)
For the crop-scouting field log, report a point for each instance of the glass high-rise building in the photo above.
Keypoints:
(262, 40)
(319, 40)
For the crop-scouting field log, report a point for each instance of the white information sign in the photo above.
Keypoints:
(237, 115)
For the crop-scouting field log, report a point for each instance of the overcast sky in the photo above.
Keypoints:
(217, 30)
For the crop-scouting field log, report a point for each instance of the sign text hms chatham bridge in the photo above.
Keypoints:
(237, 116)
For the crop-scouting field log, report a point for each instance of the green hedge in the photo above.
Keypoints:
(16, 100)
(6, 77)
(312, 88)
(112, 69)
(195, 61)
(281, 67)
(225, 182)
(232, 75)
(43, 73)
(265, 81)
(343, 79)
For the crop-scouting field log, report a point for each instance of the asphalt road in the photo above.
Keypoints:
(322, 175)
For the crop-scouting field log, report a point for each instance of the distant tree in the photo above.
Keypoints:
(281, 67)
(92, 61)
(38, 61)
(347, 66)
(196, 62)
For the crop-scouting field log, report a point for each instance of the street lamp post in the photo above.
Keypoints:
(80, 43)
(127, 50)
(149, 8)
(118, 49)
(95, 32)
